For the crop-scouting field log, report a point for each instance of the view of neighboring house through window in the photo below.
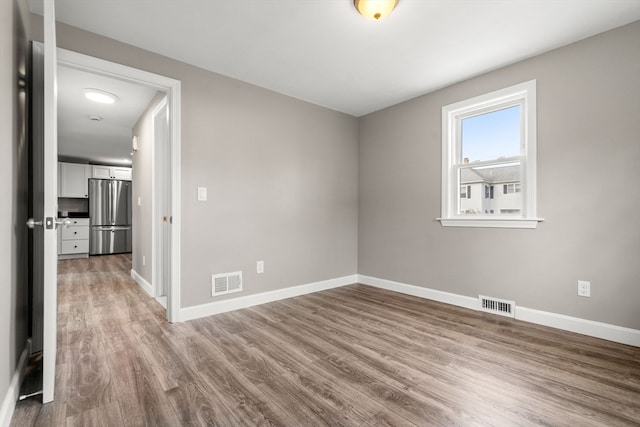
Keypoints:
(489, 159)
(490, 146)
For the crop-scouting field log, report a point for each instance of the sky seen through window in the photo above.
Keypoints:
(491, 135)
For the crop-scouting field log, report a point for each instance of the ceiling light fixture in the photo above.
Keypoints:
(100, 96)
(375, 9)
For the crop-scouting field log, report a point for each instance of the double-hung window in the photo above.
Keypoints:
(490, 140)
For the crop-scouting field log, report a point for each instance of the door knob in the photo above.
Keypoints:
(31, 223)
(65, 222)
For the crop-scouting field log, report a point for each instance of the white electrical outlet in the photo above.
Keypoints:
(144, 260)
(260, 267)
(584, 288)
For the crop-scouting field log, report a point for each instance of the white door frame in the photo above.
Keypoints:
(172, 88)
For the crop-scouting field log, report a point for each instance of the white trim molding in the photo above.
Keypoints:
(146, 286)
(573, 324)
(522, 95)
(173, 291)
(591, 328)
(13, 393)
(581, 326)
(419, 291)
(491, 222)
(217, 307)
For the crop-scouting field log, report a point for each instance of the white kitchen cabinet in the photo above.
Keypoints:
(101, 172)
(73, 242)
(111, 172)
(73, 180)
(122, 173)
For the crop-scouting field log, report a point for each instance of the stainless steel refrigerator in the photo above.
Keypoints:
(109, 216)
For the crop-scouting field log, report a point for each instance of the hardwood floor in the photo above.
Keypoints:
(353, 356)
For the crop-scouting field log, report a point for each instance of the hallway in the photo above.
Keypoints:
(96, 300)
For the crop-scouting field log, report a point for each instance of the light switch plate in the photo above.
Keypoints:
(202, 194)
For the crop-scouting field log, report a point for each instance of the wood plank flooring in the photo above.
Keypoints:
(353, 356)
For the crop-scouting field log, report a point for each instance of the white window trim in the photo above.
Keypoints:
(523, 94)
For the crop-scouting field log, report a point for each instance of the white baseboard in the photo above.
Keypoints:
(581, 326)
(419, 291)
(162, 301)
(573, 324)
(146, 286)
(217, 307)
(13, 393)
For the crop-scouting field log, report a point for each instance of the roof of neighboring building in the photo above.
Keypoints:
(491, 175)
(468, 176)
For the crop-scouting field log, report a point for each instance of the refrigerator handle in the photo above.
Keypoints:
(114, 198)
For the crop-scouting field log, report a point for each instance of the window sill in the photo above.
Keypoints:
(491, 222)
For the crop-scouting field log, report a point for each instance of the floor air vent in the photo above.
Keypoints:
(497, 306)
(226, 283)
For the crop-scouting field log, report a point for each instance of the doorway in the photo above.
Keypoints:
(165, 170)
(171, 187)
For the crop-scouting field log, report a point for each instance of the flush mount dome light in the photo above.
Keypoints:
(100, 96)
(375, 9)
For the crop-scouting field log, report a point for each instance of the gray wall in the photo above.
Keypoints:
(13, 191)
(281, 174)
(142, 187)
(588, 175)
(283, 187)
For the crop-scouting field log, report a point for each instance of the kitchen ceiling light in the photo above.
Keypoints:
(100, 96)
(375, 9)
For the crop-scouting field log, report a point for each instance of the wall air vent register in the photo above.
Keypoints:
(497, 306)
(226, 283)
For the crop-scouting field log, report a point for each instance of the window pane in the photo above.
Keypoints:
(492, 135)
(507, 200)
(467, 203)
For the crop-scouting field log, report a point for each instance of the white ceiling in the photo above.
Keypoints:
(320, 51)
(108, 140)
(324, 52)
